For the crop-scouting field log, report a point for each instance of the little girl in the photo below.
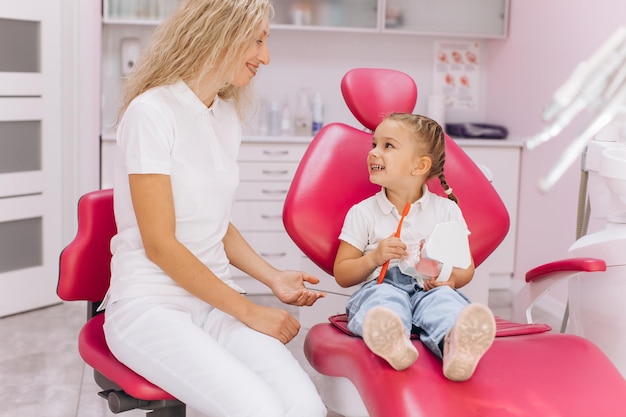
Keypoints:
(408, 150)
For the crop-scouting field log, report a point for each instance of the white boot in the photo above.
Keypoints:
(385, 335)
(467, 341)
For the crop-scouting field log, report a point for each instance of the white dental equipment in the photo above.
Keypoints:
(598, 83)
(595, 299)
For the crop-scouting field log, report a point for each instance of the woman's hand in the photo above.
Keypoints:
(289, 287)
(273, 322)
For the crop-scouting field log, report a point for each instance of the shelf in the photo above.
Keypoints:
(462, 18)
(137, 12)
(458, 18)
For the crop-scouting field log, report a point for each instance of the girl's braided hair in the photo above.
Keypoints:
(431, 139)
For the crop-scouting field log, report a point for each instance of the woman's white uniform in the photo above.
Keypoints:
(202, 356)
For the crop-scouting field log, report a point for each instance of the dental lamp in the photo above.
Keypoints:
(597, 84)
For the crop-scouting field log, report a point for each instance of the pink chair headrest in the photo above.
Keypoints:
(372, 93)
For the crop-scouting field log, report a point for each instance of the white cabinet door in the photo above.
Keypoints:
(465, 18)
(30, 153)
(503, 164)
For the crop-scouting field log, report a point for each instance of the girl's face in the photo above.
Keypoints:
(394, 159)
(258, 53)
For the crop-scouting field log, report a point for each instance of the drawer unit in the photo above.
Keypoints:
(276, 247)
(258, 216)
(272, 151)
(262, 191)
(266, 171)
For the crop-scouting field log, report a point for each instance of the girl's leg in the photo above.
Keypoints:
(373, 295)
(435, 313)
(467, 342)
(165, 343)
(382, 315)
(467, 328)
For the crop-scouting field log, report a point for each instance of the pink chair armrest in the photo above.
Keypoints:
(566, 265)
(543, 278)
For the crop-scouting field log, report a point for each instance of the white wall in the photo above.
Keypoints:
(316, 60)
(80, 106)
(546, 40)
(319, 60)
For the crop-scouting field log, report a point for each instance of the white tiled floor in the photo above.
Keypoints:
(42, 374)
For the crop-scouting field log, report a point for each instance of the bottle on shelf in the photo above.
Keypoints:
(261, 118)
(302, 115)
(317, 110)
(286, 121)
(273, 121)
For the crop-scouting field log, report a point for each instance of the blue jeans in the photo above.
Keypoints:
(431, 313)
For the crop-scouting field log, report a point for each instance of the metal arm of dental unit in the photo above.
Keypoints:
(598, 84)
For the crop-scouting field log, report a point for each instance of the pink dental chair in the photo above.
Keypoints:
(529, 371)
(84, 276)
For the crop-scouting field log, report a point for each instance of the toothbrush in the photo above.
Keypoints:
(383, 270)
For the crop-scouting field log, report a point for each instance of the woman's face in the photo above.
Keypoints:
(258, 53)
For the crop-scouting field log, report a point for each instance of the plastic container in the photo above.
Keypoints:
(317, 113)
(302, 116)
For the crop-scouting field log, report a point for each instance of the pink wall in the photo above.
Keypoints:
(546, 41)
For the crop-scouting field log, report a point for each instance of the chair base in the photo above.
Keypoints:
(119, 401)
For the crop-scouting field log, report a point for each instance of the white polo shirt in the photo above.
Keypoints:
(168, 130)
(376, 218)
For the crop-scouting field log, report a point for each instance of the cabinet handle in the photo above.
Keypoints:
(273, 255)
(275, 153)
(274, 192)
(271, 217)
(270, 172)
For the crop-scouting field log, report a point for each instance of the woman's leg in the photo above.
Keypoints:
(271, 361)
(165, 343)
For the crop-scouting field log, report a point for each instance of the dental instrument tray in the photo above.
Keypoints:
(476, 131)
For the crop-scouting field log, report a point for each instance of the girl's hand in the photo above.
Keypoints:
(433, 283)
(389, 248)
(289, 287)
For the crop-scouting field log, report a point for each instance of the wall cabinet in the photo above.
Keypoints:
(471, 18)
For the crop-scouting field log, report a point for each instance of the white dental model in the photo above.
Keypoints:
(445, 248)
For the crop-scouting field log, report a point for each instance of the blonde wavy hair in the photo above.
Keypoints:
(201, 37)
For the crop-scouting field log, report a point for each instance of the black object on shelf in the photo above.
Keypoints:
(476, 130)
